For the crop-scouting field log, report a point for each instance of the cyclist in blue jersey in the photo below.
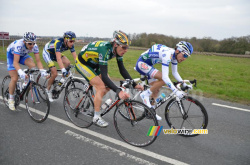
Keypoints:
(164, 55)
(17, 53)
(53, 52)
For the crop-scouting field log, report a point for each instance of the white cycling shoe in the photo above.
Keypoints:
(49, 95)
(100, 122)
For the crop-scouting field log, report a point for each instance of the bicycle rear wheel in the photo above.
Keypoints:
(195, 116)
(129, 128)
(79, 107)
(37, 103)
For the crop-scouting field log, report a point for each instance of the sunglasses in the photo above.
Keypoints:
(184, 55)
(71, 41)
(30, 43)
(124, 47)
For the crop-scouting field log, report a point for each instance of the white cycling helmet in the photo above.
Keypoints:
(185, 47)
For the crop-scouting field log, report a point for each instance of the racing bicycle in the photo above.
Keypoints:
(68, 82)
(36, 98)
(187, 113)
(133, 129)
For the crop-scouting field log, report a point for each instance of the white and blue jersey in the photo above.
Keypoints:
(18, 47)
(158, 54)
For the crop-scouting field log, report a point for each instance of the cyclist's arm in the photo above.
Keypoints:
(175, 72)
(59, 59)
(165, 72)
(74, 55)
(124, 72)
(38, 61)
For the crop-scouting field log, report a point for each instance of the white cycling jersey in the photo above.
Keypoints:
(164, 55)
(18, 47)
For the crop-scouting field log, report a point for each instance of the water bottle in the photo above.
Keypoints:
(106, 104)
(160, 98)
(25, 82)
(62, 80)
(19, 85)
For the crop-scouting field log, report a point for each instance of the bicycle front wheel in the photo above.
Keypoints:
(5, 89)
(79, 107)
(129, 128)
(75, 83)
(194, 117)
(37, 103)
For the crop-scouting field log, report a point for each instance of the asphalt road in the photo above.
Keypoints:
(57, 141)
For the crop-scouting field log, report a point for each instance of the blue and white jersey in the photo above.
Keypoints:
(18, 47)
(159, 54)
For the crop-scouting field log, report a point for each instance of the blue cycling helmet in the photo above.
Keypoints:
(29, 36)
(69, 35)
(185, 47)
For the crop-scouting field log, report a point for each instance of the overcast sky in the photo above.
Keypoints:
(218, 19)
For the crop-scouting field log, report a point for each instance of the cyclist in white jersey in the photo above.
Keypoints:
(17, 52)
(164, 55)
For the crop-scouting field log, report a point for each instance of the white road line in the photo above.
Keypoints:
(108, 148)
(111, 140)
(1, 63)
(226, 106)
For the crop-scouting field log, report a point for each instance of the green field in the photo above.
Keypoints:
(225, 78)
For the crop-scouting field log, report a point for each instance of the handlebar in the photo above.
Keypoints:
(68, 68)
(178, 84)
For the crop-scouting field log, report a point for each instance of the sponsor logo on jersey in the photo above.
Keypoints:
(144, 66)
(164, 55)
(19, 48)
(153, 55)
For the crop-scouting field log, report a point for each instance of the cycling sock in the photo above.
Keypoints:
(11, 97)
(97, 114)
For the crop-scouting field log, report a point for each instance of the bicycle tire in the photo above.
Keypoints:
(79, 107)
(42, 81)
(5, 89)
(74, 83)
(193, 109)
(137, 134)
(37, 102)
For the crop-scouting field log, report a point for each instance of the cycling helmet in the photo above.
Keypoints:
(29, 36)
(120, 38)
(69, 35)
(185, 47)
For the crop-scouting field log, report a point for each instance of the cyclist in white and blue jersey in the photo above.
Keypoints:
(17, 53)
(164, 55)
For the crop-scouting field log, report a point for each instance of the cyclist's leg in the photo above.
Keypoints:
(49, 59)
(157, 84)
(91, 76)
(29, 62)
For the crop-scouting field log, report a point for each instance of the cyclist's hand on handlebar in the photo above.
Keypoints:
(180, 94)
(189, 86)
(123, 95)
(139, 87)
(22, 74)
(44, 73)
(65, 73)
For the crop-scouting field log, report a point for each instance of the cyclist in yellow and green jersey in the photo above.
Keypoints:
(92, 64)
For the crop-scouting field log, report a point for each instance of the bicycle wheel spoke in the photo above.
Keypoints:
(37, 103)
(194, 117)
(132, 125)
(79, 107)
